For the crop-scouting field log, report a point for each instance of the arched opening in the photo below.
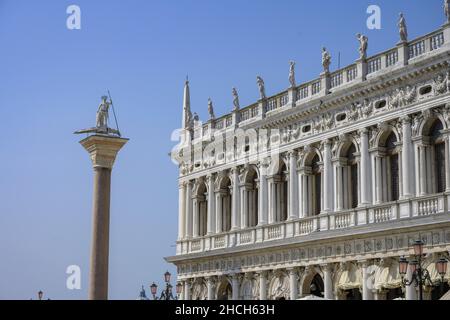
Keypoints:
(388, 165)
(438, 157)
(224, 206)
(316, 185)
(201, 213)
(394, 293)
(281, 193)
(349, 176)
(317, 287)
(225, 291)
(251, 199)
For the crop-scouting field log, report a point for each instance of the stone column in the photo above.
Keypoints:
(196, 216)
(379, 187)
(262, 194)
(447, 163)
(244, 207)
(293, 186)
(211, 206)
(210, 288)
(407, 155)
(103, 151)
(365, 182)
(188, 210)
(218, 211)
(305, 198)
(293, 283)
(263, 285)
(187, 290)
(181, 210)
(271, 200)
(339, 188)
(182, 290)
(367, 290)
(422, 168)
(328, 284)
(235, 286)
(327, 177)
(411, 293)
(235, 200)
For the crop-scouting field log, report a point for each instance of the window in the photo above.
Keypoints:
(392, 176)
(317, 186)
(438, 145)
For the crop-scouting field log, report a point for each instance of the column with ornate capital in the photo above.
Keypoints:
(407, 157)
(211, 206)
(293, 283)
(293, 186)
(181, 210)
(235, 286)
(411, 293)
(327, 177)
(364, 167)
(366, 286)
(262, 194)
(103, 150)
(328, 282)
(235, 221)
(263, 285)
(210, 288)
(188, 231)
(422, 170)
(187, 289)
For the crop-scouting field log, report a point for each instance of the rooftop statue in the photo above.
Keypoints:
(326, 60)
(363, 44)
(403, 30)
(292, 74)
(235, 99)
(211, 109)
(262, 89)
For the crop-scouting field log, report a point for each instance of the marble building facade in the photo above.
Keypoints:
(320, 189)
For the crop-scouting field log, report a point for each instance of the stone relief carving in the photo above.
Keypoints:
(353, 112)
(441, 84)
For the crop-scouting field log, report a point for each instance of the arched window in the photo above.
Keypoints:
(316, 186)
(348, 173)
(201, 214)
(224, 206)
(438, 153)
(387, 169)
(278, 196)
(251, 199)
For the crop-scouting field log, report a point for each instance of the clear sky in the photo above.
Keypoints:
(51, 80)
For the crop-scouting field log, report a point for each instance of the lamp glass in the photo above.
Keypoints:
(403, 266)
(153, 288)
(441, 266)
(418, 247)
(167, 276)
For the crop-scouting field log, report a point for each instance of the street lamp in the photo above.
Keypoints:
(166, 294)
(420, 276)
(40, 294)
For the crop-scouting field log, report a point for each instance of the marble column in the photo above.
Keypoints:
(235, 286)
(305, 198)
(407, 155)
(235, 218)
(188, 230)
(181, 210)
(447, 163)
(103, 151)
(210, 288)
(411, 293)
(422, 169)
(244, 207)
(211, 206)
(293, 283)
(187, 290)
(263, 285)
(379, 187)
(218, 211)
(366, 286)
(182, 290)
(364, 166)
(339, 188)
(262, 195)
(196, 217)
(328, 282)
(327, 177)
(272, 200)
(293, 186)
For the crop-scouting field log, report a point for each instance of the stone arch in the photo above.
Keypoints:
(311, 276)
(224, 289)
(426, 122)
(251, 194)
(344, 146)
(309, 156)
(277, 162)
(279, 286)
(347, 277)
(200, 208)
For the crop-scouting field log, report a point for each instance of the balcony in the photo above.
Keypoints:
(382, 216)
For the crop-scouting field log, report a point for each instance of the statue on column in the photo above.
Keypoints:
(235, 99)
(402, 28)
(447, 10)
(102, 113)
(326, 60)
(262, 90)
(363, 44)
(211, 109)
(292, 73)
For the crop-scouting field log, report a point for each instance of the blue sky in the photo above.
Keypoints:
(51, 80)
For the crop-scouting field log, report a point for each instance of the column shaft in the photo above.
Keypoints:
(407, 155)
(263, 285)
(235, 221)
(181, 211)
(365, 182)
(211, 207)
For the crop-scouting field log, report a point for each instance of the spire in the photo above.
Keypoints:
(187, 115)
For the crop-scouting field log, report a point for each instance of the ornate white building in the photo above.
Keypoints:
(321, 188)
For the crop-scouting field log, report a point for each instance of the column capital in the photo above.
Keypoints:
(405, 120)
(363, 131)
(103, 149)
(364, 263)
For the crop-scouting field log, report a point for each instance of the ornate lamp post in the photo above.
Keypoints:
(166, 294)
(40, 294)
(420, 276)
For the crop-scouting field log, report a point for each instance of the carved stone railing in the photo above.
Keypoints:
(343, 220)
